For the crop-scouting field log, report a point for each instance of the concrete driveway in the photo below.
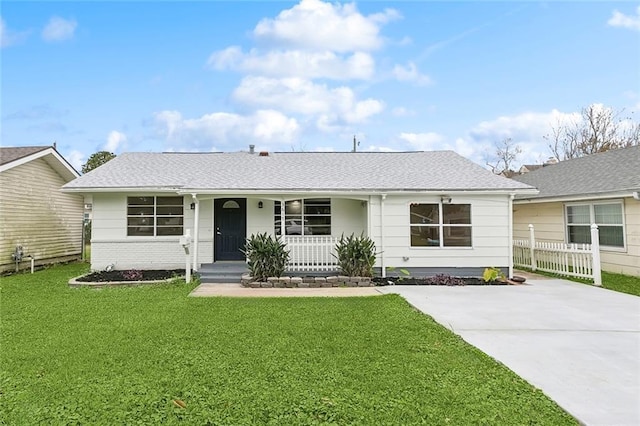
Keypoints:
(579, 344)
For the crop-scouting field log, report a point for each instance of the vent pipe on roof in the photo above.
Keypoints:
(252, 149)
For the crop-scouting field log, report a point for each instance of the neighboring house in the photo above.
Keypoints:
(427, 212)
(34, 213)
(600, 188)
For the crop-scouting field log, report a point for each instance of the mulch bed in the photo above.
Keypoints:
(132, 275)
(437, 280)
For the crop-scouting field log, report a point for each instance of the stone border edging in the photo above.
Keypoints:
(307, 282)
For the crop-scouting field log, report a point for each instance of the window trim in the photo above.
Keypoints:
(155, 216)
(303, 215)
(592, 216)
(441, 226)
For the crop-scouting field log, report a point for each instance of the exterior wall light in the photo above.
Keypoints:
(445, 199)
(260, 204)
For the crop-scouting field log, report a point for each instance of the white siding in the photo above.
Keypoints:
(490, 234)
(35, 214)
(347, 217)
(489, 229)
(549, 223)
(110, 244)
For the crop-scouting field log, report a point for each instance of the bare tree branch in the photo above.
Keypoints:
(599, 129)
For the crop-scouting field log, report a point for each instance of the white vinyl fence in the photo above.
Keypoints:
(574, 260)
(311, 253)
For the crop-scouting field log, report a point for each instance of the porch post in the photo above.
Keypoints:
(282, 224)
(382, 265)
(532, 247)
(595, 253)
(511, 197)
(196, 231)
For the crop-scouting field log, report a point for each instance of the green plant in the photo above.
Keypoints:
(356, 255)
(403, 273)
(267, 256)
(492, 274)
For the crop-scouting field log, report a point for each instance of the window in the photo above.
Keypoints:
(154, 216)
(440, 225)
(608, 217)
(304, 217)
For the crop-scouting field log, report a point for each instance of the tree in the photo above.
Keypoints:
(97, 159)
(598, 129)
(506, 154)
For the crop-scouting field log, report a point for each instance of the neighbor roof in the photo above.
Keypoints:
(11, 157)
(291, 171)
(613, 171)
(9, 154)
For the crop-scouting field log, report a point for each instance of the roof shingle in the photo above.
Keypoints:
(10, 154)
(612, 171)
(340, 171)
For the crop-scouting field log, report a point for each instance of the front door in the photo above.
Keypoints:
(230, 228)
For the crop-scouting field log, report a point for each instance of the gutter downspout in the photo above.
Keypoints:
(196, 231)
(511, 197)
(382, 264)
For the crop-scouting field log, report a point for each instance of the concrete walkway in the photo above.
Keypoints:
(579, 344)
(236, 290)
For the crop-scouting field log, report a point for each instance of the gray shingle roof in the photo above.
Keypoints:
(339, 171)
(9, 154)
(611, 171)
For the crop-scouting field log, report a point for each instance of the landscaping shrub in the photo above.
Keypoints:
(356, 255)
(267, 256)
(443, 279)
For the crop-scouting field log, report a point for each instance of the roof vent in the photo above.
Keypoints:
(264, 153)
(252, 149)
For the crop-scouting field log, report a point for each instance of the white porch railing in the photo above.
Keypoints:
(311, 252)
(574, 260)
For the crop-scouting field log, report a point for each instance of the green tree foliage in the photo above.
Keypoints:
(97, 159)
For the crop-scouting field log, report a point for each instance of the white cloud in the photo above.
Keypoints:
(59, 29)
(114, 141)
(295, 63)
(221, 128)
(314, 24)
(619, 19)
(411, 74)
(330, 106)
(76, 159)
(402, 112)
(9, 37)
(423, 141)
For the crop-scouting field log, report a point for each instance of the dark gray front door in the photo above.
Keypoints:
(230, 228)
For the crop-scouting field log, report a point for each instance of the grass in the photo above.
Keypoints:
(622, 283)
(616, 282)
(150, 355)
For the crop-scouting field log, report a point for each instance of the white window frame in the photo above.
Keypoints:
(592, 217)
(441, 227)
(303, 216)
(155, 215)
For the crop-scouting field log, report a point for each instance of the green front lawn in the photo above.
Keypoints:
(621, 283)
(151, 355)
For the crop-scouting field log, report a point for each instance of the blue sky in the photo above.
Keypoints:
(218, 76)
